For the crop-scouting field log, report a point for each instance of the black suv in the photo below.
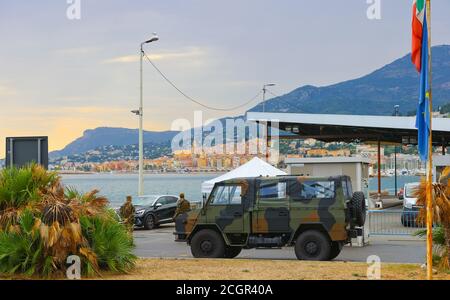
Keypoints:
(154, 210)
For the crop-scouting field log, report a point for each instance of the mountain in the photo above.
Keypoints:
(373, 94)
(106, 136)
(116, 153)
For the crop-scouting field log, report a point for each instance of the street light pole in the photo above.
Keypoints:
(141, 131)
(140, 112)
(396, 113)
(266, 123)
(264, 94)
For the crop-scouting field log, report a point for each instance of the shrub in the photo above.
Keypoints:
(439, 246)
(440, 204)
(42, 223)
(110, 242)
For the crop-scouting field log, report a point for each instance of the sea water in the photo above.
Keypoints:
(117, 186)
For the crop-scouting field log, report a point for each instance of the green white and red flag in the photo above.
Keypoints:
(421, 58)
(418, 29)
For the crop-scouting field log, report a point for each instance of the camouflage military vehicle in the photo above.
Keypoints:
(315, 215)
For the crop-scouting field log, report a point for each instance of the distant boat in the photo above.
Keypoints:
(419, 172)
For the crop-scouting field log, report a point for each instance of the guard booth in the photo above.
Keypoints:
(21, 151)
(355, 167)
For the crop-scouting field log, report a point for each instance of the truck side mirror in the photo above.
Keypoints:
(202, 208)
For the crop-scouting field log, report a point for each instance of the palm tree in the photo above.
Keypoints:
(441, 210)
(42, 223)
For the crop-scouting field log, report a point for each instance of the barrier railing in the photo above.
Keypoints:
(392, 222)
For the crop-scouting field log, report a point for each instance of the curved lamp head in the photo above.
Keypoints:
(153, 39)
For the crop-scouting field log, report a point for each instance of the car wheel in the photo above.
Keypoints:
(358, 208)
(313, 245)
(149, 222)
(336, 248)
(207, 243)
(232, 252)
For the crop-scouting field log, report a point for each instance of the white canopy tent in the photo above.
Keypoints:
(254, 168)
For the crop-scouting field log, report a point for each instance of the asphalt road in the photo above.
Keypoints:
(160, 243)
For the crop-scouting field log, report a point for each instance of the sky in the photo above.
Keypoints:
(60, 76)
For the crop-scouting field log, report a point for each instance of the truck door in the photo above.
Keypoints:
(314, 201)
(226, 209)
(272, 208)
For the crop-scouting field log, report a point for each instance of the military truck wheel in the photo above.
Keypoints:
(149, 222)
(207, 243)
(312, 245)
(358, 211)
(336, 248)
(232, 252)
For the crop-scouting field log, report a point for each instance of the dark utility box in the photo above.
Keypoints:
(21, 151)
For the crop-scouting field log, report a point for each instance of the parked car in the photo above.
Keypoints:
(154, 210)
(315, 215)
(410, 209)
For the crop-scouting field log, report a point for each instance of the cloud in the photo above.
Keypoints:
(77, 51)
(47, 112)
(93, 109)
(164, 55)
(123, 59)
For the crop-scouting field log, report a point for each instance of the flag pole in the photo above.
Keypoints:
(429, 188)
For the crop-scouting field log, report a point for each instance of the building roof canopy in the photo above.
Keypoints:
(348, 128)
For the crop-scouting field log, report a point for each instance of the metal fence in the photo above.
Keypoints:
(392, 222)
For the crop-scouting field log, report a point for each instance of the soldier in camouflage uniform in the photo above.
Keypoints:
(183, 206)
(127, 214)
